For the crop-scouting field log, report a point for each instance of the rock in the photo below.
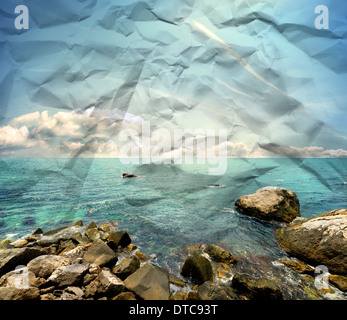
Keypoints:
(43, 266)
(198, 268)
(270, 204)
(92, 225)
(105, 284)
(141, 256)
(79, 223)
(72, 293)
(125, 296)
(75, 253)
(220, 254)
(126, 267)
(20, 243)
(177, 282)
(261, 289)
(100, 254)
(92, 234)
(128, 175)
(11, 258)
(119, 238)
(37, 231)
(214, 291)
(70, 275)
(20, 278)
(150, 282)
(298, 266)
(13, 293)
(79, 238)
(340, 282)
(319, 241)
(179, 296)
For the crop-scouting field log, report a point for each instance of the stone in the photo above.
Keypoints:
(198, 268)
(179, 296)
(92, 225)
(100, 254)
(150, 282)
(270, 204)
(141, 256)
(21, 277)
(44, 266)
(13, 293)
(126, 267)
(219, 254)
(105, 284)
(75, 253)
(214, 291)
(20, 243)
(298, 266)
(125, 296)
(260, 289)
(340, 282)
(119, 238)
(37, 231)
(92, 234)
(71, 275)
(321, 240)
(11, 258)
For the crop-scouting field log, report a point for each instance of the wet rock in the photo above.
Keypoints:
(128, 175)
(126, 267)
(37, 231)
(70, 275)
(44, 266)
(100, 254)
(260, 289)
(198, 268)
(298, 266)
(150, 282)
(319, 241)
(13, 293)
(20, 243)
(214, 291)
(270, 204)
(219, 254)
(105, 284)
(340, 282)
(179, 296)
(11, 258)
(119, 238)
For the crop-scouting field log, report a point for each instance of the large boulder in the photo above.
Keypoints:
(150, 282)
(43, 266)
(100, 254)
(319, 241)
(198, 268)
(126, 267)
(13, 293)
(71, 275)
(270, 204)
(11, 258)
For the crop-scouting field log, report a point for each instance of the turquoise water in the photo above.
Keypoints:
(168, 206)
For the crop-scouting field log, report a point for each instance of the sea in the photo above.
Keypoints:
(167, 207)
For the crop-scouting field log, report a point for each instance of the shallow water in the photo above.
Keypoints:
(168, 206)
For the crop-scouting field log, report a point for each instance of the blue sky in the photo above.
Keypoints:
(259, 69)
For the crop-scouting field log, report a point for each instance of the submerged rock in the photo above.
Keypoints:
(270, 204)
(319, 241)
(198, 268)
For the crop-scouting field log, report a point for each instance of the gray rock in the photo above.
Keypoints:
(105, 284)
(43, 266)
(270, 204)
(319, 240)
(198, 268)
(11, 258)
(70, 275)
(150, 282)
(100, 254)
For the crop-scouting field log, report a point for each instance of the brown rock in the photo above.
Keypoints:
(126, 267)
(270, 204)
(219, 254)
(338, 281)
(298, 266)
(100, 254)
(198, 268)
(318, 241)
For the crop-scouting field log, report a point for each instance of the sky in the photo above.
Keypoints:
(87, 72)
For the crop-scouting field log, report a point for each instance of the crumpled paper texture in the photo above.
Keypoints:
(86, 70)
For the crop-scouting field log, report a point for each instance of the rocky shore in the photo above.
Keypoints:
(100, 262)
